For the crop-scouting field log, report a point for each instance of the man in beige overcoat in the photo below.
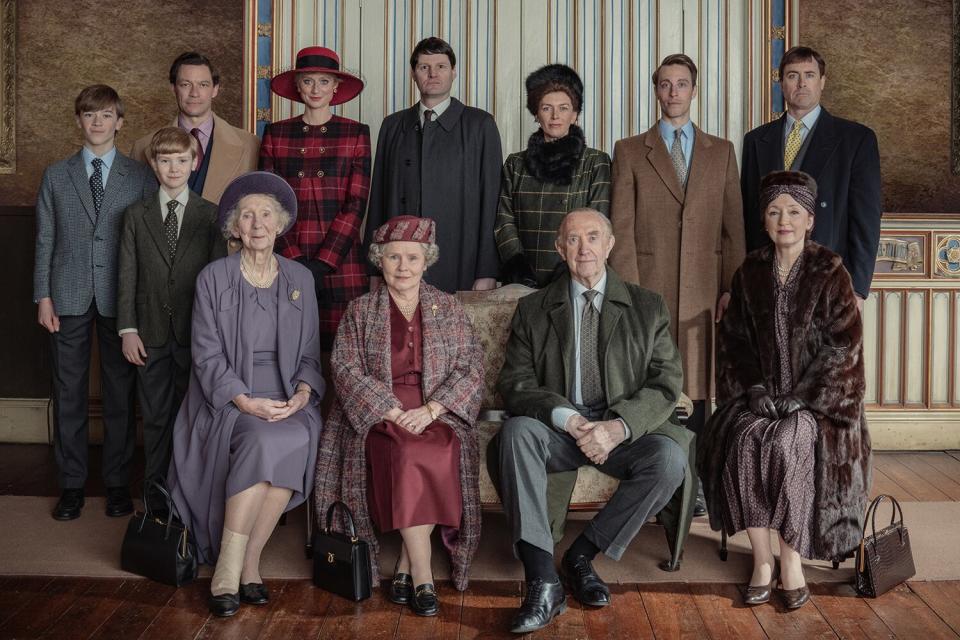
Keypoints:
(677, 215)
(227, 152)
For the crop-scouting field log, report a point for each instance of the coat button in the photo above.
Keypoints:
(306, 128)
(319, 174)
(303, 151)
(322, 149)
(323, 129)
(409, 344)
(410, 329)
(300, 174)
(403, 200)
(408, 162)
(823, 205)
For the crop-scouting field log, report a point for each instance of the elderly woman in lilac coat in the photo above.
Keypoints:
(246, 437)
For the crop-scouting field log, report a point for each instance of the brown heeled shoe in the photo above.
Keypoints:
(795, 598)
(759, 595)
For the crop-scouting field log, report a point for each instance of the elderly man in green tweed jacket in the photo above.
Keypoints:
(591, 377)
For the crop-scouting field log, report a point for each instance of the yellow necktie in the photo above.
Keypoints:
(793, 144)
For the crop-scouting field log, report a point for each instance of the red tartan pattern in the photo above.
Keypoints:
(328, 167)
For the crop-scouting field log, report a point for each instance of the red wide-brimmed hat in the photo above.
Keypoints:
(406, 229)
(317, 60)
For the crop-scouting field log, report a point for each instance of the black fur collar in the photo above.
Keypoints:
(555, 162)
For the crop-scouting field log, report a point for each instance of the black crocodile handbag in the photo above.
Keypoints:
(162, 550)
(884, 559)
(341, 561)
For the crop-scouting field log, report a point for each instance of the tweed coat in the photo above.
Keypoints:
(156, 296)
(844, 159)
(683, 244)
(532, 205)
(222, 352)
(234, 154)
(449, 172)
(642, 376)
(328, 167)
(452, 376)
(826, 361)
(76, 250)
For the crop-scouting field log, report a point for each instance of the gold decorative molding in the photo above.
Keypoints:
(8, 86)
(265, 113)
(901, 255)
(775, 75)
(263, 71)
(947, 257)
(265, 29)
(778, 33)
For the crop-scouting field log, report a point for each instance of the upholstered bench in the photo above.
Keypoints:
(490, 312)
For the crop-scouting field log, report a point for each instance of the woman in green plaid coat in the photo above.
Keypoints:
(555, 174)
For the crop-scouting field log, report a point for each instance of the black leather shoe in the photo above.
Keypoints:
(401, 589)
(224, 606)
(118, 502)
(795, 598)
(544, 602)
(586, 585)
(69, 505)
(254, 593)
(425, 601)
(700, 506)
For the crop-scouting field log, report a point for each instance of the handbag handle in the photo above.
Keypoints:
(346, 510)
(874, 506)
(157, 485)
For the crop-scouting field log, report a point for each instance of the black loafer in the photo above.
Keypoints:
(254, 593)
(119, 503)
(225, 605)
(401, 589)
(425, 601)
(586, 585)
(544, 602)
(700, 507)
(69, 505)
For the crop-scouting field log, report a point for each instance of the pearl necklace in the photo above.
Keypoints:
(406, 308)
(263, 282)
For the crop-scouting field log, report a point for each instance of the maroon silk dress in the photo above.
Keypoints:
(412, 479)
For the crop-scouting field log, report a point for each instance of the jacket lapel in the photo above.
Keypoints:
(289, 323)
(823, 142)
(616, 295)
(115, 180)
(432, 326)
(660, 160)
(557, 305)
(700, 163)
(78, 175)
(225, 159)
(189, 226)
(770, 148)
(153, 220)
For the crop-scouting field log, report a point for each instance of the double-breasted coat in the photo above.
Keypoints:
(328, 167)
(452, 375)
(684, 244)
(826, 363)
(641, 375)
(449, 171)
(222, 350)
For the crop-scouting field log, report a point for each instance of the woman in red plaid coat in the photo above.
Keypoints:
(326, 159)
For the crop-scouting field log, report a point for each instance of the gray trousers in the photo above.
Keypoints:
(649, 469)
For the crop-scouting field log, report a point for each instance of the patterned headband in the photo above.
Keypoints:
(804, 196)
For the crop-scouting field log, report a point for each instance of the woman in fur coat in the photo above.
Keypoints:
(555, 174)
(788, 448)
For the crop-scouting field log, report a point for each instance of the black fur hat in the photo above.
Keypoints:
(553, 77)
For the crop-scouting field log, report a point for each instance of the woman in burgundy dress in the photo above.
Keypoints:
(400, 447)
(326, 159)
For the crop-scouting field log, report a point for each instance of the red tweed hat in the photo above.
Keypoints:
(406, 229)
(317, 60)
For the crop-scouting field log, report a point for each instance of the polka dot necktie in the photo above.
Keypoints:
(170, 228)
(96, 184)
(591, 388)
(676, 154)
(792, 147)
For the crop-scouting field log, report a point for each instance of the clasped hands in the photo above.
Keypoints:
(763, 404)
(595, 439)
(274, 410)
(414, 420)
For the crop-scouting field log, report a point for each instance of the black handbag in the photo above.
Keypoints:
(884, 559)
(341, 561)
(161, 551)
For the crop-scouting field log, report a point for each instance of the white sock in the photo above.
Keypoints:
(226, 577)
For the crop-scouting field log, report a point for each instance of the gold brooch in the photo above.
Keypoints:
(434, 309)
(295, 295)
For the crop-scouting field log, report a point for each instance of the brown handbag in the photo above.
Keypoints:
(884, 559)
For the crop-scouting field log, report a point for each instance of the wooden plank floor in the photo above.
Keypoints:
(116, 608)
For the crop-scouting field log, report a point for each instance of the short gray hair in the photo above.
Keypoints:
(230, 220)
(606, 221)
(431, 253)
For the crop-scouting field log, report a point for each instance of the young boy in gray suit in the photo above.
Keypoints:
(167, 239)
(79, 210)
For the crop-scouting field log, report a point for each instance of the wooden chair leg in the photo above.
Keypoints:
(723, 545)
(308, 547)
